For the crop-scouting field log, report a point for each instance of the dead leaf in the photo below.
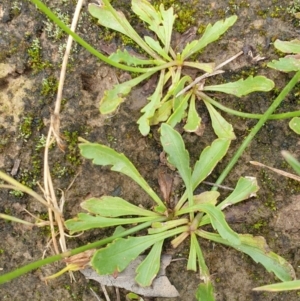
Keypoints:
(161, 286)
(165, 182)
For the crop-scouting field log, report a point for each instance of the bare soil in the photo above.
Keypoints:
(25, 109)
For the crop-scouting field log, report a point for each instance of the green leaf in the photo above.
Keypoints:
(156, 47)
(123, 56)
(192, 261)
(179, 112)
(150, 108)
(245, 189)
(211, 34)
(205, 292)
(222, 128)
(209, 158)
(207, 197)
(288, 46)
(107, 19)
(103, 155)
(193, 120)
(207, 67)
(109, 206)
(280, 287)
(114, 97)
(163, 113)
(168, 19)
(257, 248)
(178, 156)
(117, 255)
(286, 64)
(158, 227)
(294, 125)
(292, 161)
(86, 221)
(149, 268)
(219, 223)
(243, 87)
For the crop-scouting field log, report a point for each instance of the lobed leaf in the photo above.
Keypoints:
(150, 108)
(103, 155)
(123, 56)
(107, 19)
(156, 47)
(211, 34)
(109, 206)
(286, 64)
(114, 97)
(257, 248)
(116, 256)
(149, 268)
(243, 87)
(288, 46)
(246, 188)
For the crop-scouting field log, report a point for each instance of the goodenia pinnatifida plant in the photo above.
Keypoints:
(168, 103)
(184, 221)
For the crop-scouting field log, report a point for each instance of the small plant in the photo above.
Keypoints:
(171, 101)
(186, 220)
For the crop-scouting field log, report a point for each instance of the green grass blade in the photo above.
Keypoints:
(205, 292)
(103, 155)
(280, 287)
(292, 161)
(109, 206)
(15, 219)
(86, 221)
(149, 268)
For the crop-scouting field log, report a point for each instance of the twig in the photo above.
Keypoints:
(97, 297)
(205, 75)
(105, 292)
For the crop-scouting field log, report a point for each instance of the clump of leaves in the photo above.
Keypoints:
(184, 221)
(169, 103)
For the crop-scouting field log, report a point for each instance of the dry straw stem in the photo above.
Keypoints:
(56, 216)
(279, 171)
